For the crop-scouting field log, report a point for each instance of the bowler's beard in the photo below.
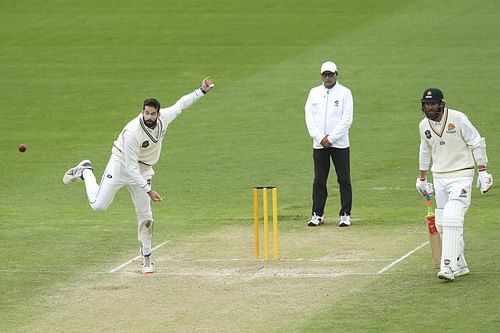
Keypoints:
(150, 123)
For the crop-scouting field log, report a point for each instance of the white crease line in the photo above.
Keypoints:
(135, 258)
(262, 260)
(386, 268)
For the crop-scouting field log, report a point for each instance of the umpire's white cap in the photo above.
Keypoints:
(328, 66)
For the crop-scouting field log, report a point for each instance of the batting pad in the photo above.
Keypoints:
(438, 213)
(453, 227)
(462, 263)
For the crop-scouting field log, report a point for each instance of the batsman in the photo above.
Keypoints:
(452, 143)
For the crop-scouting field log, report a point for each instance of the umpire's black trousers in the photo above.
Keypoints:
(340, 158)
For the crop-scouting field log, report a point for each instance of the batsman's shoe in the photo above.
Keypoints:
(76, 172)
(345, 221)
(316, 221)
(148, 266)
(446, 274)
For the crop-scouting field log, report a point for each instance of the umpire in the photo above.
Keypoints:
(328, 113)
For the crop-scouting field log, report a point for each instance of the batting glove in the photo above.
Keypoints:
(484, 181)
(423, 187)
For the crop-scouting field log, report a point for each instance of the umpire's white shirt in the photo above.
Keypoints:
(329, 112)
(138, 147)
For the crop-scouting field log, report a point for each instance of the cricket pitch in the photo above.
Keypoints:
(212, 283)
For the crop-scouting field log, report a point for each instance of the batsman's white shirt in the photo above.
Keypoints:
(451, 144)
(138, 147)
(329, 112)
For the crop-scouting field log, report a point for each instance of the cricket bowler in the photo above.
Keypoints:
(133, 155)
(453, 144)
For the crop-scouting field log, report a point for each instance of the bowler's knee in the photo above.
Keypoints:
(98, 207)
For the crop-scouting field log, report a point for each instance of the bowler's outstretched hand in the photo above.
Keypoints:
(155, 196)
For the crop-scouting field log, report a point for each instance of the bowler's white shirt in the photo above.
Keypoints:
(138, 147)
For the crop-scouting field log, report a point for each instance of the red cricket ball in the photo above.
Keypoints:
(22, 147)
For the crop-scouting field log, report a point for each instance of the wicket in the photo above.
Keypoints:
(265, 208)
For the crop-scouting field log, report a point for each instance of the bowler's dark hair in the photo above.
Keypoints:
(152, 102)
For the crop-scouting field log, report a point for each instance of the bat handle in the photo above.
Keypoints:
(428, 204)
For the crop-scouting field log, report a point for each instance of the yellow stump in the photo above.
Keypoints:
(256, 221)
(266, 223)
(275, 224)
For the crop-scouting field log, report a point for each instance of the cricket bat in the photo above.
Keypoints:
(434, 237)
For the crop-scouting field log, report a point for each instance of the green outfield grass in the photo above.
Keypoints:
(72, 73)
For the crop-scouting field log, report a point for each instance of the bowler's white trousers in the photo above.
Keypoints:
(115, 177)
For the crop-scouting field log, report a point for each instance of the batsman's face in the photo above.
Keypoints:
(329, 79)
(432, 110)
(150, 116)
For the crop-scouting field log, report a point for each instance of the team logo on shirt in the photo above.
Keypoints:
(336, 103)
(145, 144)
(451, 128)
(428, 134)
(463, 193)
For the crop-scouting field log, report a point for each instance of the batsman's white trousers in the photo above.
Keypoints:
(115, 177)
(453, 198)
(458, 188)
